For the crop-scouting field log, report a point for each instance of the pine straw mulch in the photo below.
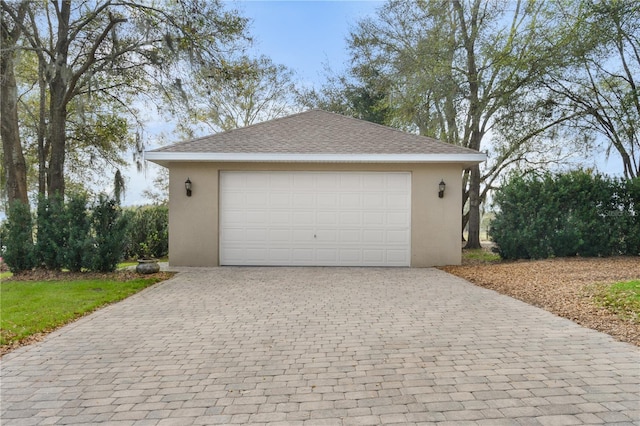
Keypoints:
(47, 275)
(567, 287)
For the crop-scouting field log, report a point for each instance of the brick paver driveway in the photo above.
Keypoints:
(321, 346)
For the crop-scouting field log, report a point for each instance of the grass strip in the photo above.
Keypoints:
(479, 256)
(623, 299)
(32, 307)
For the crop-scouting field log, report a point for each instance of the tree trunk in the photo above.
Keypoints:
(42, 127)
(473, 239)
(57, 137)
(58, 88)
(14, 162)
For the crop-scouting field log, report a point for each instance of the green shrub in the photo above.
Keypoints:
(51, 235)
(148, 232)
(109, 227)
(17, 241)
(569, 214)
(77, 252)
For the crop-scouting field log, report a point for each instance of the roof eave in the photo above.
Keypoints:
(164, 158)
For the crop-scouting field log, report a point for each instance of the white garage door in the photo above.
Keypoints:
(315, 218)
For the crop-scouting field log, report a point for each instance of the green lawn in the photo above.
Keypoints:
(30, 307)
(479, 256)
(622, 298)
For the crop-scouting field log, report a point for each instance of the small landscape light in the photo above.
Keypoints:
(441, 187)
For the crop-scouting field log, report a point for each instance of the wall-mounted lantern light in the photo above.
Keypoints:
(441, 187)
(187, 186)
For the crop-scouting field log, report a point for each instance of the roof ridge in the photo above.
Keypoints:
(240, 128)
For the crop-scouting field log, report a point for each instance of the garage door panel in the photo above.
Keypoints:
(373, 201)
(373, 218)
(303, 182)
(350, 201)
(397, 181)
(257, 235)
(256, 200)
(396, 236)
(304, 218)
(326, 236)
(280, 235)
(397, 201)
(280, 200)
(327, 201)
(373, 236)
(280, 255)
(350, 255)
(279, 217)
(255, 217)
(255, 182)
(397, 218)
(256, 254)
(324, 218)
(233, 217)
(350, 236)
(303, 235)
(396, 256)
(327, 255)
(315, 218)
(234, 199)
(374, 182)
(375, 256)
(328, 182)
(233, 234)
(302, 255)
(304, 199)
(350, 218)
(280, 182)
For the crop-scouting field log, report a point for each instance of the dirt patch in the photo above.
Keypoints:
(566, 287)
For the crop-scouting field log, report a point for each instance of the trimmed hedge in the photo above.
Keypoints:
(570, 214)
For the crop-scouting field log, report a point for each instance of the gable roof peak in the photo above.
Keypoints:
(314, 132)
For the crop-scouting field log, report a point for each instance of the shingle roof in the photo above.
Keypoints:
(315, 132)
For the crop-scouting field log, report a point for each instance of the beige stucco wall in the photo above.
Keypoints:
(435, 222)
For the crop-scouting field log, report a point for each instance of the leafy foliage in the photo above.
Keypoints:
(110, 228)
(147, 232)
(465, 72)
(73, 73)
(17, 241)
(51, 237)
(68, 235)
(79, 232)
(570, 214)
(599, 87)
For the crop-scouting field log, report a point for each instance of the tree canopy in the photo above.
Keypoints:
(91, 63)
(496, 77)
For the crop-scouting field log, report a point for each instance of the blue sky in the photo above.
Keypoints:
(304, 35)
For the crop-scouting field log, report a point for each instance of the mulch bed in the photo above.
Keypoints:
(46, 275)
(567, 287)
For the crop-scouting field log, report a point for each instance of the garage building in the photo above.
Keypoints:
(315, 189)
